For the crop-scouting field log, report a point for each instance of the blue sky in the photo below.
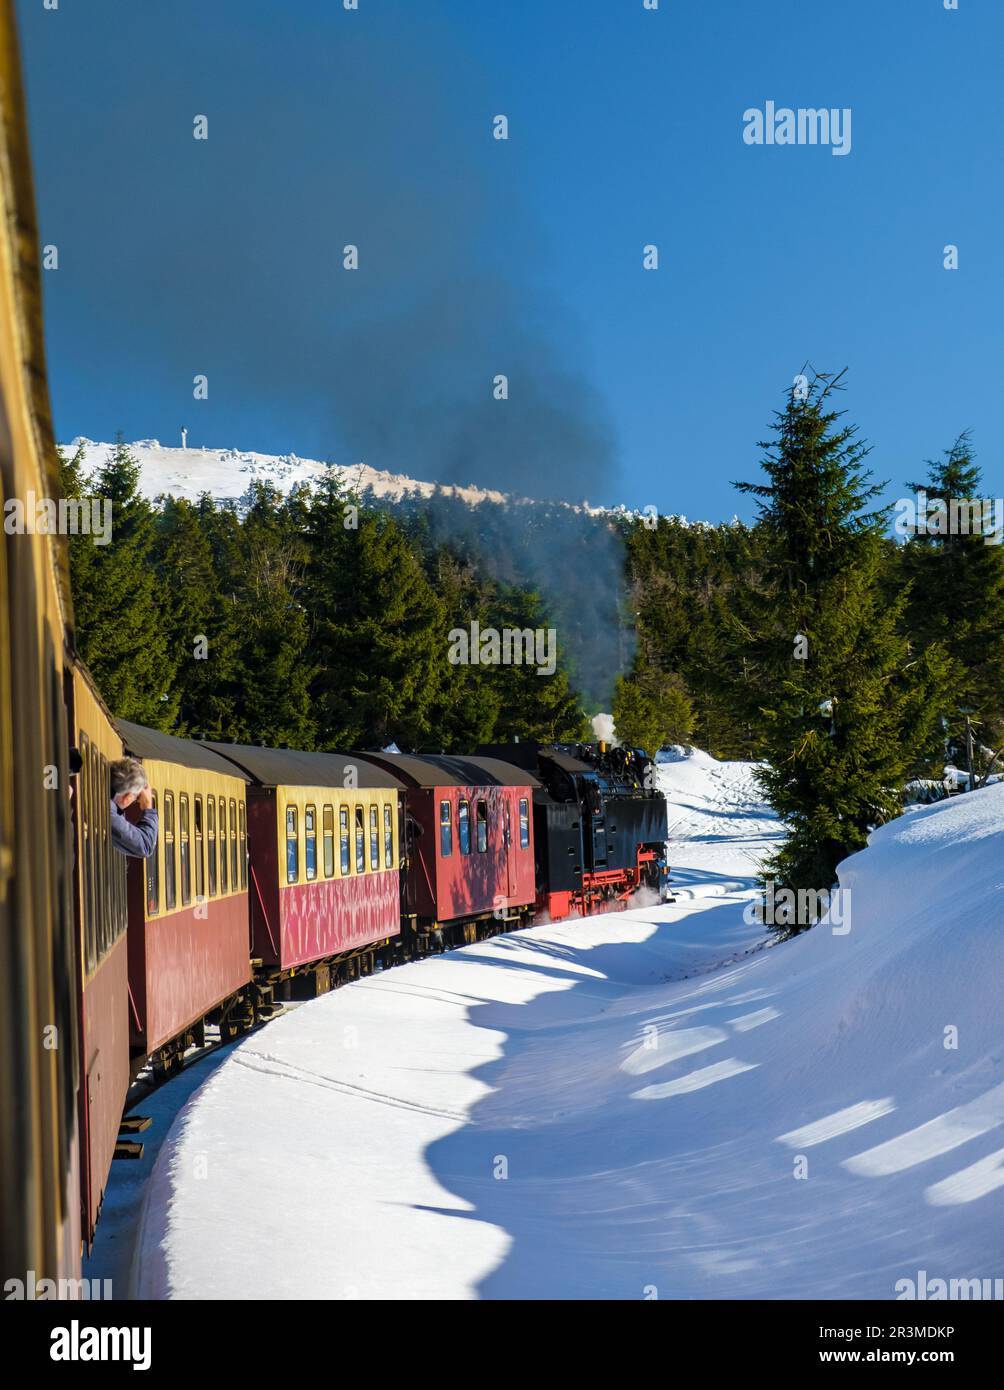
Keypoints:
(477, 256)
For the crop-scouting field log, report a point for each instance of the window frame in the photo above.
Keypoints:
(152, 879)
(481, 825)
(293, 839)
(328, 839)
(211, 844)
(234, 867)
(221, 831)
(199, 841)
(170, 855)
(309, 838)
(524, 822)
(464, 825)
(185, 847)
(103, 881)
(344, 842)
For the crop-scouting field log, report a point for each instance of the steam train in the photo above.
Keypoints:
(276, 873)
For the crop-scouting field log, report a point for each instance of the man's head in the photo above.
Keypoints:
(128, 780)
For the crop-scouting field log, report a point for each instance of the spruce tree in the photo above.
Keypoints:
(200, 622)
(651, 708)
(273, 672)
(119, 604)
(957, 598)
(73, 484)
(533, 705)
(846, 703)
(378, 633)
(466, 710)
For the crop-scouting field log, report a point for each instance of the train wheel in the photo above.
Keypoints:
(164, 1065)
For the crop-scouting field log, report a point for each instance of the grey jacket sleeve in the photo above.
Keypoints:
(139, 840)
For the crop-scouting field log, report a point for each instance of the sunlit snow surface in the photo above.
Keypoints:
(227, 474)
(619, 1106)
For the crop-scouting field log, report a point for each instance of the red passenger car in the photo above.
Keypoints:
(323, 833)
(469, 828)
(188, 903)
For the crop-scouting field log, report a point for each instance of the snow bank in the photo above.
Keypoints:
(720, 828)
(647, 1101)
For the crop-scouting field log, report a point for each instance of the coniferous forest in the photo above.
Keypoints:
(848, 659)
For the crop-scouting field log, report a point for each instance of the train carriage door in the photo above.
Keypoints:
(509, 843)
(597, 826)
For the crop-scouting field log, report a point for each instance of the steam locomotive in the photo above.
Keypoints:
(600, 824)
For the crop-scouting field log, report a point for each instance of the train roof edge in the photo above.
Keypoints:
(454, 770)
(292, 767)
(157, 746)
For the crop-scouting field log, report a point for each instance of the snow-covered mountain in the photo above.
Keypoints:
(226, 474)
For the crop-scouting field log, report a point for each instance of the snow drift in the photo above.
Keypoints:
(652, 1103)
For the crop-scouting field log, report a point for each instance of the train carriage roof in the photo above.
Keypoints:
(444, 770)
(290, 767)
(165, 748)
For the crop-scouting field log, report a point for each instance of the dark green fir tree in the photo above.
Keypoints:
(846, 702)
(118, 597)
(954, 567)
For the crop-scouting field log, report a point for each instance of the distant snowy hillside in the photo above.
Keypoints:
(226, 474)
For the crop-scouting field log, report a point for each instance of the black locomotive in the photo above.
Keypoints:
(600, 824)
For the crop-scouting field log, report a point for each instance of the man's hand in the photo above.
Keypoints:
(145, 799)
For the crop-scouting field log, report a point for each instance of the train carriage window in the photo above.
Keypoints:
(482, 814)
(223, 845)
(200, 863)
(328, 832)
(153, 877)
(292, 846)
(310, 842)
(445, 830)
(524, 823)
(388, 838)
(233, 844)
(211, 842)
(95, 855)
(343, 837)
(464, 826)
(84, 822)
(360, 841)
(184, 851)
(169, 888)
(374, 838)
(102, 806)
(242, 807)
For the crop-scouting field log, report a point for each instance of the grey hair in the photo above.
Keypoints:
(128, 777)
